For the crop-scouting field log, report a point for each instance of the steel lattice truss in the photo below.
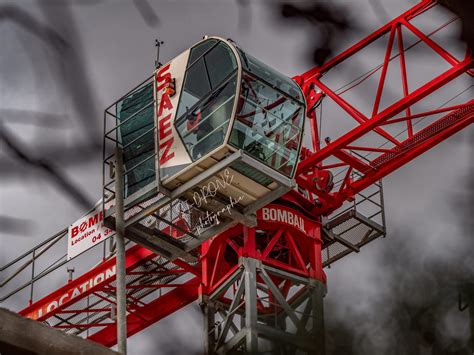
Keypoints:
(345, 152)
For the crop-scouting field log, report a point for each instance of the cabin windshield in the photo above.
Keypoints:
(207, 98)
(270, 116)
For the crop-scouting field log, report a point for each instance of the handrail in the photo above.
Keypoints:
(31, 250)
(33, 255)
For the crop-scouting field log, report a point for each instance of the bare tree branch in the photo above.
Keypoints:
(52, 172)
(147, 12)
(17, 226)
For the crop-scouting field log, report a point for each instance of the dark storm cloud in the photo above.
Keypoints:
(29, 117)
(329, 20)
(416, 309)
(147, 12)
(413, 308)
(71, 68)
(18, 16)
(58, 34)
(463, 9)
(14, 225)
(52, 172)
(244, 15)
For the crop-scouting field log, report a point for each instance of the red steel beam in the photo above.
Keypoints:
(417, 150)
(427, 113)
(154, 311)
(386, 61)
(351, 160)
(421, 144)
(92, 281)
(381, 117)
(312, 79)
(415, 11)
(403, 74)
(435, 46)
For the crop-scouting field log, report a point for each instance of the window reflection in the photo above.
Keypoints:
(270, 75)
(270, 108)
(209, 65)
(220, 62)
(196, 86)
(200, 49)
(135, 114)
(204, 128)
(207, 98)
(268, 125)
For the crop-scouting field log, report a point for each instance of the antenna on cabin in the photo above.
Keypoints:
(158, 44)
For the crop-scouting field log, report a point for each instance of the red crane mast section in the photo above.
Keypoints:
(297, 235)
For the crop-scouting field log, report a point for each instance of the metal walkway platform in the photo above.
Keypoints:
(352, 228)
(86, 305)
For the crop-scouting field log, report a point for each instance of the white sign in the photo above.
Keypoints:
(87, 232)
(173, 156)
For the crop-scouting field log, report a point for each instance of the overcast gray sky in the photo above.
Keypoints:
(424, 199)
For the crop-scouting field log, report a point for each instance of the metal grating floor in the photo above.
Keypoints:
(347, 233)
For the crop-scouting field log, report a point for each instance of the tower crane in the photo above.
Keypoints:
(225, 205)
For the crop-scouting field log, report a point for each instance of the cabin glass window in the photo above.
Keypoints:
(200, 49)
(136, 133)
(210, 63)
(196, 86)
(270, 76)
(204, 128)
(220, 63)
(207, 98)
(268, 125)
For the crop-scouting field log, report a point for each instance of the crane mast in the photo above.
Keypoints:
(257, 273)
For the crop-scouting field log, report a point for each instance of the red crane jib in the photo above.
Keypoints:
(344, 149)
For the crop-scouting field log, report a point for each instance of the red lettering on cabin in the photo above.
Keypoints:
(165, 133)
(163, 76)
(166, 146)
(165, 103)
(164, 127)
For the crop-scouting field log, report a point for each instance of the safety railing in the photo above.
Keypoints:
(21, 276)
(129, 124)
(354, 225)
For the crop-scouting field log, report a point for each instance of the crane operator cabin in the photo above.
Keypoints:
(211, 102)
